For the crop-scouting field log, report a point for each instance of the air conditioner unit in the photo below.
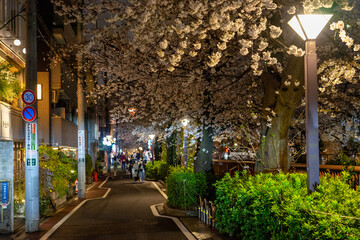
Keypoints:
(54, 96)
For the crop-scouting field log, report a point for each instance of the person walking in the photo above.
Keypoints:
(123, 162)
(136, 171)
(131, 165)
(115, 166)
(142, 170)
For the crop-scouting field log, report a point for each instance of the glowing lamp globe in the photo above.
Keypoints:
(185, 122)
(309, 26)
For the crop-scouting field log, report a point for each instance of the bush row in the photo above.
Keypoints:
(157, 171)
(267, 206)
(184, 187)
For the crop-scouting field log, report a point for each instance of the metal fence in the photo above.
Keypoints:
(333, 170)
(206, 209)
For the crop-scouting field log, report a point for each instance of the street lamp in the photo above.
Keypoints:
(185, 122)
(308, 28)
(107, 141)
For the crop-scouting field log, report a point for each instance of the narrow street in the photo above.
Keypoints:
(124, 214)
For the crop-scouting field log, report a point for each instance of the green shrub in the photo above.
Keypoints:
(152, 170)
(88, 165)
(57, 171)
(10, 87)
(267, 206)
(157, 171)
(163, 171)
(178, 168)
(183, 189)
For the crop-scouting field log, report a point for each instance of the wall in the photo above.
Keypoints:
(11, 123)
(63, 132)
(44, 109)
(7, 174)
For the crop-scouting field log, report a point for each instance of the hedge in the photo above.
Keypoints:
(183, 188)
(267, 206)
(157, 171)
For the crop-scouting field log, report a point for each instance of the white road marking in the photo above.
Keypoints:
(56, 226)
(161, 191)
(180, 225)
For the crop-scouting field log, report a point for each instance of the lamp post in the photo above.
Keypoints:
(185, 122)
(107, 141)
(151, 138)
(308, 28)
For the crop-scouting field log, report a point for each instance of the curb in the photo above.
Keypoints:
(179, 212)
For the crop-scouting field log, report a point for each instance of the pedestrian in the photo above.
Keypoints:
(123, 162)
(136, 171)
(131, 165)
(141, 171)
(115, 166)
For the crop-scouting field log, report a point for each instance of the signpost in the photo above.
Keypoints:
(31, 162)
(81, 164)
(5, 195)
(28, 97)
(28, 114)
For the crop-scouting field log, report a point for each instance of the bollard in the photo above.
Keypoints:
(213, 211)
(199, 207)
(95, 176)
(206, 213)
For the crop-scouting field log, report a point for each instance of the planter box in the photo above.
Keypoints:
(179, 212)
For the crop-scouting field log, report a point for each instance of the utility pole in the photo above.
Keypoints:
(32, 214)
(81, 121)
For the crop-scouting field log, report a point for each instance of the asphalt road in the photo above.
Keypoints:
(124, 214)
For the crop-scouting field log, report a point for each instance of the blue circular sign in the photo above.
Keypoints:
(28, 114)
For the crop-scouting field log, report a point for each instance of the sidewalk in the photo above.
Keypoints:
(193, 224)
(93, 191)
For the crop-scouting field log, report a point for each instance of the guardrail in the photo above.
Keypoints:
(333, 170)
(231, 166)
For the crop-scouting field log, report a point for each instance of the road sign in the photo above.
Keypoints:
(28, 97)
(28, 114)
(81, 146)
(31, 147)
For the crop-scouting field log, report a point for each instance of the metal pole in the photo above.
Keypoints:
(81, 121)
(311, 112)
(108, 155)
(152, 153)
(185, 148)
(32, 214)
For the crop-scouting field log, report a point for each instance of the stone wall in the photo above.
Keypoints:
(7, 174)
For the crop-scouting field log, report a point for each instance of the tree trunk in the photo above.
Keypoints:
(171, 149)
(157, 149)
(273, 151)
(203, 161)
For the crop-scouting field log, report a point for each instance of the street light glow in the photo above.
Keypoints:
(17, 42)
(152, 136)
(309, 26)
(185, 122)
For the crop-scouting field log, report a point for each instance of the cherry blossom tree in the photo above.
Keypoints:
(225, 64)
